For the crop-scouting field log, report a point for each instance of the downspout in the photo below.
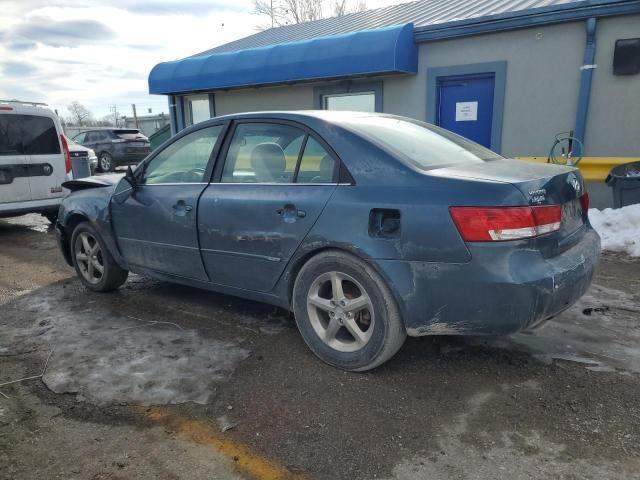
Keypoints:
(172, 115)
(585, 81)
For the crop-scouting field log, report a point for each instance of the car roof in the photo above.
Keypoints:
(300, 115)
(29, 108)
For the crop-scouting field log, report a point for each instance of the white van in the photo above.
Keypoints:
(34, 160)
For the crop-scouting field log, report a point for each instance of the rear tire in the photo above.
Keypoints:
(106, 163)
(345, 312)
(94, 264)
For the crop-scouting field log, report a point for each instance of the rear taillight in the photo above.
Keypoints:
(67, 155)
(584, 201)
(494, 224)
(6, 108)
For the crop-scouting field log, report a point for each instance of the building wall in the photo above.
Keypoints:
(541, 90)
(613, 123)
(296, 97)
(542, 80)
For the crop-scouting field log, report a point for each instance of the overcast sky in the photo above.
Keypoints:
(100, 52)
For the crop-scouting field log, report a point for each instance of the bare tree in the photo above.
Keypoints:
(80, 115)
(287, 12)
(341, 7)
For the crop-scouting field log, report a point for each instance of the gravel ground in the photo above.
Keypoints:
(164, 381)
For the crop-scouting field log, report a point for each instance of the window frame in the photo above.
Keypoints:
(349, 88)
(222, 154)
(213, 158)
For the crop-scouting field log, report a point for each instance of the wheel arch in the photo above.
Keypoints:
(299, 262)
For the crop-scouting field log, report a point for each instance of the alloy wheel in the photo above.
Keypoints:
(89, 257)
(340, 311)
(105, 162)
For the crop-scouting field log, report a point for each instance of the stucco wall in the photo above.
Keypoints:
(297, 97)
(542, 82)
(613, 124)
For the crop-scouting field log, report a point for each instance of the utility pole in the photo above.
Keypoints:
(114, 110)
(135, 115)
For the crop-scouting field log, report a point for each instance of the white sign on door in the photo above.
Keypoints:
(466, 111)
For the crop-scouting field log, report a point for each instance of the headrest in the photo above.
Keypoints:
(326, 168)
(268, 162)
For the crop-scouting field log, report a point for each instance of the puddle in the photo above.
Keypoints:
(32, 221)
(601, 331)
(110, 358)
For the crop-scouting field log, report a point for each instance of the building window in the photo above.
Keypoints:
(351, 95)
(196, 109)
(356, 102)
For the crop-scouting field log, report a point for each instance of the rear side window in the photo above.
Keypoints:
(316, 166)
(10, 137)
(128, 134)
(28, 135)
(423, 145)
(263, 153)
(40, 136)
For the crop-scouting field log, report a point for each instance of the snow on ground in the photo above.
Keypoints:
(619, 228)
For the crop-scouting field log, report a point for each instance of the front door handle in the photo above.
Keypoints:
(181, 208)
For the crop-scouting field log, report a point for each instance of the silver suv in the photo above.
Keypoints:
(34, 160)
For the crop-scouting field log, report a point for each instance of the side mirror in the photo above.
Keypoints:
(130, 177)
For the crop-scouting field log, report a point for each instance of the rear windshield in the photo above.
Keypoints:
(28, 135)
(128, 134)
(423, 145)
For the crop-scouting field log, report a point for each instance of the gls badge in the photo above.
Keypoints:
(572, 180)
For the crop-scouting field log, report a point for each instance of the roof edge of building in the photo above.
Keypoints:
(569, 12)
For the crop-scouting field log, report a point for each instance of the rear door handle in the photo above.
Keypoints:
(290, 211)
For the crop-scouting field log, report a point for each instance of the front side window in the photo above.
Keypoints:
(185, 160)
(79, 139)
(423, 145)
(263, 153)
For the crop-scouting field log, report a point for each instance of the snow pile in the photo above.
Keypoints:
(619, 228)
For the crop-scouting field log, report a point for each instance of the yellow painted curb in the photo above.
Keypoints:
(245, 462)
(594, 169)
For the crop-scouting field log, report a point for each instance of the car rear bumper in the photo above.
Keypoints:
(500, 291)
(49, 205)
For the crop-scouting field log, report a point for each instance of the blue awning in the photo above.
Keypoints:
(369, 52)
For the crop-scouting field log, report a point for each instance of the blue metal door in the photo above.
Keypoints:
(465, 106)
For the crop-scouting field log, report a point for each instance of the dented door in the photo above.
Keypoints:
(248, 232)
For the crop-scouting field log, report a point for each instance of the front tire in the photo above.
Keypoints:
(94, 264)
(106, 163)
(345, 312)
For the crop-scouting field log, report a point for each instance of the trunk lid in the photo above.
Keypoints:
(539, 184)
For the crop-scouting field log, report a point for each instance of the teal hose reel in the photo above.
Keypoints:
(566, 150)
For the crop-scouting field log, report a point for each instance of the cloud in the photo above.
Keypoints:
(17, 69)
(21, 46)
(160, 7)
(65, 33)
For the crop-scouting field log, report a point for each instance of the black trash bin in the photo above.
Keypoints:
(625, 181)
